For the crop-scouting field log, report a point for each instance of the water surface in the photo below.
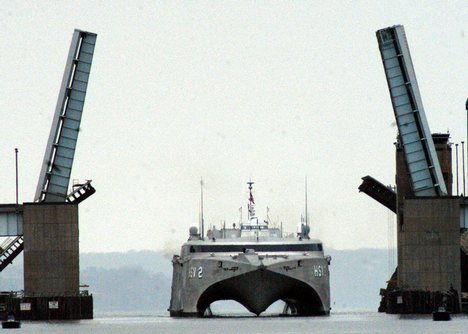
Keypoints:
(339, 322)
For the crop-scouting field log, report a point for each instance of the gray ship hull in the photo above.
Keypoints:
(254, 280)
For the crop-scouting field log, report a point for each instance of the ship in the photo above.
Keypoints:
(254, 264)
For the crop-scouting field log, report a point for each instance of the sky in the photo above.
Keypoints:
(228, 91)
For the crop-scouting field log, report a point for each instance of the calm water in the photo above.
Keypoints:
(345, 322)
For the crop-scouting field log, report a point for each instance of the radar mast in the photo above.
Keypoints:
(251, 205)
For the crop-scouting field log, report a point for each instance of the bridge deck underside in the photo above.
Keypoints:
(379, 192)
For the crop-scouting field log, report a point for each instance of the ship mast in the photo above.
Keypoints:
(202, 220)
(251, 205)
(306, 213)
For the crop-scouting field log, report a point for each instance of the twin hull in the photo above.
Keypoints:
(254, 280)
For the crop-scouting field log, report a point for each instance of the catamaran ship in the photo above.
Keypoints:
(253, 264)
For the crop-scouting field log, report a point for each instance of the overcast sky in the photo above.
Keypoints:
(227, 90)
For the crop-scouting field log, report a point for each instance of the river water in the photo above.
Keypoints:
(340, 322)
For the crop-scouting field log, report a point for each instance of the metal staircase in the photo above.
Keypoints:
(9, 250)
(80, 192)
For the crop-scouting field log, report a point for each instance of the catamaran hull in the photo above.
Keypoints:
(255, 281)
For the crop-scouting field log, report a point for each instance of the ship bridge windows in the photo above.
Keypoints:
(256, 247)
(254, 227)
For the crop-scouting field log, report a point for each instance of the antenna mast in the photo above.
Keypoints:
(17, 188)
(306, 213)
(456, 168)
(251, 207)
(202, 220)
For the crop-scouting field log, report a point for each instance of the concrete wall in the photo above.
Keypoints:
(444, 154)
(402, 177)
(429, 245)
(51, 249)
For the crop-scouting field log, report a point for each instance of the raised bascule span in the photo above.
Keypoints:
(60, 151)
(430, 222)
(413, 128)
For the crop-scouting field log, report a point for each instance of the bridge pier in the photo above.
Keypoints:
(51, 264)
(51, 251)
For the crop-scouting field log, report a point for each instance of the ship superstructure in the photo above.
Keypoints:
(253, 264)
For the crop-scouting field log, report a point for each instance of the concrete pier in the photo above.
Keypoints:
(429, 272)
(46, 308)
(51, 249)
(51, 265)
(429, 245)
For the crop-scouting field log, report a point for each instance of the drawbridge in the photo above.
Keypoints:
(429, 219)
(54, 178)
(426, 178)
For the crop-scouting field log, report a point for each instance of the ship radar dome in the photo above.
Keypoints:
(193, 230)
